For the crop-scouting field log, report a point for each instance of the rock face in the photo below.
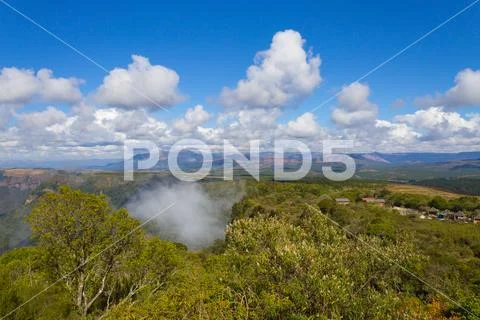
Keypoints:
(23, 179)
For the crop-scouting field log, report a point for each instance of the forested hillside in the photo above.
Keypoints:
(469, 186)
(20, 188)
(13, 231)
(290, 252)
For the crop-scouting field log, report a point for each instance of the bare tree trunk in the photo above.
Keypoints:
(80, 291)
(88, 304)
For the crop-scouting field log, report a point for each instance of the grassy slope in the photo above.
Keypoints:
(420, 190)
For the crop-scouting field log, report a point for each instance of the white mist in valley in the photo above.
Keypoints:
(197, 218)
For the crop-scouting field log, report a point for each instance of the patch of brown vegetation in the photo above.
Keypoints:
(411, 189)
(24, 172)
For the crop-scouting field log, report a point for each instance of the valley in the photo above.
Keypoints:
(281, 237)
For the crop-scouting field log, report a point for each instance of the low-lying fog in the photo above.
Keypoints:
(197, 218)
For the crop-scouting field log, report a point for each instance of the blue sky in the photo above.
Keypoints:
(211, 44)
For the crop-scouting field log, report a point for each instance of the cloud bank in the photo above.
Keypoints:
(123, 105)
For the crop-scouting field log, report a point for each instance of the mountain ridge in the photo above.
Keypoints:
(190, 159)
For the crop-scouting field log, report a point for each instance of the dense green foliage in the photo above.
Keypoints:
(468, 204)
(290, 252)
(16, 203)
(98, 257)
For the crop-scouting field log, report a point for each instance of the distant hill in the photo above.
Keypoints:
(191, 160)
(56, 164)
(466, 166)
(412, 158)
(187, 160)
(470, 186)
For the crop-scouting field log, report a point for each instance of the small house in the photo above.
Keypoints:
(476, 219)
(342, 201)
(380, 202)
(406, 211)
(449, 214)
(431, 211)
(401, 210)
(460, 216)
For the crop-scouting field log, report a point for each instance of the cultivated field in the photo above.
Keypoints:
(23, 172)
(411, 189)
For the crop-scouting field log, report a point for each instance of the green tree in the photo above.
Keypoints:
(21, 276)
(153, 265)
(84, 243)
(273, 269)
(326, 205)
(439, 203)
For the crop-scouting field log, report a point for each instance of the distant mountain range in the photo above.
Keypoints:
(192, 160)
(56, 164)
(412, 158)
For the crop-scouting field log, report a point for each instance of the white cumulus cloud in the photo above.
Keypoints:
(17, 86)
(20, 86)
(282, 74)
(141, 85)
(354, 108)
(304, 126)
(465, 92)
(436, 123)
(193, 118)
(58, 89)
